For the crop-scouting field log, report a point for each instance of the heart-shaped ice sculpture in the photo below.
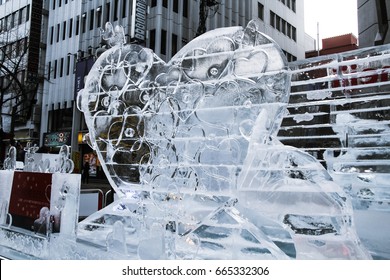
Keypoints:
(146, 116)
(196, 139)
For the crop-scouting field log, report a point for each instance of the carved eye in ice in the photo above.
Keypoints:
(129, 132)
(210, 63)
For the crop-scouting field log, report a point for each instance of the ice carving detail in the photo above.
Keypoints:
(10, 161)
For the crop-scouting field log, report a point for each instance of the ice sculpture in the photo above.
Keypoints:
(38, 210)
(10, 160)
(190, 148)
(49, 163)
(339, 112)
(29, 159)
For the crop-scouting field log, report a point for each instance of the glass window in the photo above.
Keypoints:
(64, 30)
(124, 9)
(70, 27)
(115, 10)
(48, 70)
(21, 17)
(28, 13)
(260, 11)
(272, 18)
(294, 33)
(62, 67)
(13, 20)
(163, 42)
(91, 19)
(99, 16)
(5, 23)
(55, 69)
(107, 12)
(68, 65)
(288, 31)
(152, 41)
(176, 6)
(58, 32)
(185, 8)
(77, 25)
(174, 44)
(51, 35)
(84, 22)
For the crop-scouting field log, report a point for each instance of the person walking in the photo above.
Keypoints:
(85, 173)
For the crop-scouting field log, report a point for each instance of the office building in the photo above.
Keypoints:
(373, 22)
(23, 25)
(74, 41)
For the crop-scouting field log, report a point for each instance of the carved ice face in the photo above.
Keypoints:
(185, 125)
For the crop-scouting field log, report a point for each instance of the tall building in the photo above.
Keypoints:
(373, 22)
(172, 23)
(23, 25)
(74, 41)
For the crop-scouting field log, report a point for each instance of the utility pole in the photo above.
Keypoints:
(318, 39)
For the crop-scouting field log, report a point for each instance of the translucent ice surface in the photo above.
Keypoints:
(190, 148)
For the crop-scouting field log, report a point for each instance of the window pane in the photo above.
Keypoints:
(163, 42)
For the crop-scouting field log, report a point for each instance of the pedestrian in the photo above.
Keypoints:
(20, 153)
(85, 173)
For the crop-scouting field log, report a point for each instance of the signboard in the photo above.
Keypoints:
(29, 196)
(138, 28)
(82, 69)
(56, 139)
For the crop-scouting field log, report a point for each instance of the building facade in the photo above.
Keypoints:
(171, 24)
(373, 22)
(23, 25)
(74, 41)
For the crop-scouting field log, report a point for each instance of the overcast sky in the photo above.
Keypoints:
(335, 17)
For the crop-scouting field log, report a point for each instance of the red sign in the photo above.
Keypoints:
(376, 76)
(30, 193)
